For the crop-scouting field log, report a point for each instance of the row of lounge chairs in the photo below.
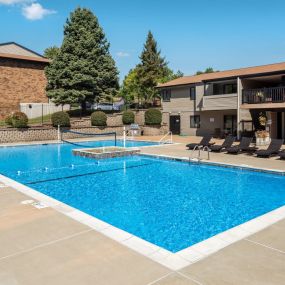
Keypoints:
(244, 146)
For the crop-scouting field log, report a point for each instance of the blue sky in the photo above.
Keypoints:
(191, 34)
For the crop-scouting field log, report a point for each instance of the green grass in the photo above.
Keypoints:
(39, 120)
(34, 121)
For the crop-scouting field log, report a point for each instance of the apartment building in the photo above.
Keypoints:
(22, 77)
(226, 102)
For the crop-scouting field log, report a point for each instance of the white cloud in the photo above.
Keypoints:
(122, 54)
(12, 2)
(35, 11)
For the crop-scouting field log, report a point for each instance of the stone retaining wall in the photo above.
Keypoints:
(43, 134)
(113, 120)
(11, 135)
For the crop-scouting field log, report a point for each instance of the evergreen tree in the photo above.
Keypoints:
(83, 70)
(152, 68)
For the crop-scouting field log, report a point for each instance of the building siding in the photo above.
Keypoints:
(220, 102)
(21, 82)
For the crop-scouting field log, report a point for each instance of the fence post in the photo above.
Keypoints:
(58, 134)
(42, 114)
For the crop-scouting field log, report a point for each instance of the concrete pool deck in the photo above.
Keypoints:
(179, 150)
(43, 246)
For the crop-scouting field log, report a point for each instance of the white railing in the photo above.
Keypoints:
(167, 138)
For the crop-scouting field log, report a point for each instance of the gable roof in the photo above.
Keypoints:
(227, 74)
(16, 51)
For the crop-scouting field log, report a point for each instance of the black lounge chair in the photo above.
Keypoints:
(282, 154)
(273, 148)
(205, 141)
(244, 146)
(229, 140)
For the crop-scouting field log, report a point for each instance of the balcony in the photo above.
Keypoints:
(273, 95)
(220, 102)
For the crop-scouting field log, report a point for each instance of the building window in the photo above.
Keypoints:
(195, 121)
(230, 88)
(166, 95)
(193, 93)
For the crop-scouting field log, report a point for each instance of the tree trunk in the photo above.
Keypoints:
(83, 107)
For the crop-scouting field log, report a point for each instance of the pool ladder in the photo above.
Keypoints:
(199, 148)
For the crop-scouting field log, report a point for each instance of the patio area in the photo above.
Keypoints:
(44, 246)
(179, 150)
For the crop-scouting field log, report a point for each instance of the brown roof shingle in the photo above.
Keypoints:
(21, 57)
(276, 67)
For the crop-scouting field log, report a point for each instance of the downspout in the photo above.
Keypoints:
(239, 92)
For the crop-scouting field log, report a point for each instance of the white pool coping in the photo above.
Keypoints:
(51, 142)
(174, 261)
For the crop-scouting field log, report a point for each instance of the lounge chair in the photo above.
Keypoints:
(229, 140)
(244, 146)
(273, 148)
(205, 141)
(282, 154)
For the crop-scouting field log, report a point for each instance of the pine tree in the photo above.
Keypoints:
(152, 68)
(83, 70)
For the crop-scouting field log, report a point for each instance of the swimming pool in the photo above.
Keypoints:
(169, 203)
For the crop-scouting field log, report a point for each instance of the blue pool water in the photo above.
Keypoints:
(169, 203)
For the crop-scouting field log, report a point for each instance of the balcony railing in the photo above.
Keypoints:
(264, 95)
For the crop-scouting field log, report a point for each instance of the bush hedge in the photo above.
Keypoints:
(153, 117)
(17, 120)
(8, 120)
(128, 117)
(60, 119)
(98, 119)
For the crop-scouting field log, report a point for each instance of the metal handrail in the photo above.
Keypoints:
(193, 152)
(161, 141)
(206, 148)
(200, 147)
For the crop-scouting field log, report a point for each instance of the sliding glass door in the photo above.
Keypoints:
(230, 124)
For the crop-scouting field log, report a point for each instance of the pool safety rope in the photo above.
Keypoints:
(88, 173)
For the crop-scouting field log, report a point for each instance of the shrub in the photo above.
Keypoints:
(128, 117)
(153, 117)
(98, 119)
(8, 120)
(18, 120)
(60, 118)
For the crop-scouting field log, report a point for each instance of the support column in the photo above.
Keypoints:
(283, 125)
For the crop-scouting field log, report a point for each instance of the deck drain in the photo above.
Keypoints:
(40, 205)
(27, 202)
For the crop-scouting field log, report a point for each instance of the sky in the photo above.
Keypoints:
(191, 34)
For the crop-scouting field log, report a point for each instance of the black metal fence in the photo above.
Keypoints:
(263, 95)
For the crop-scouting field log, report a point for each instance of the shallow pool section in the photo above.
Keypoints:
(169, 203)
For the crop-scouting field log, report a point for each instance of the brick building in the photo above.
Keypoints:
(22, 77)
